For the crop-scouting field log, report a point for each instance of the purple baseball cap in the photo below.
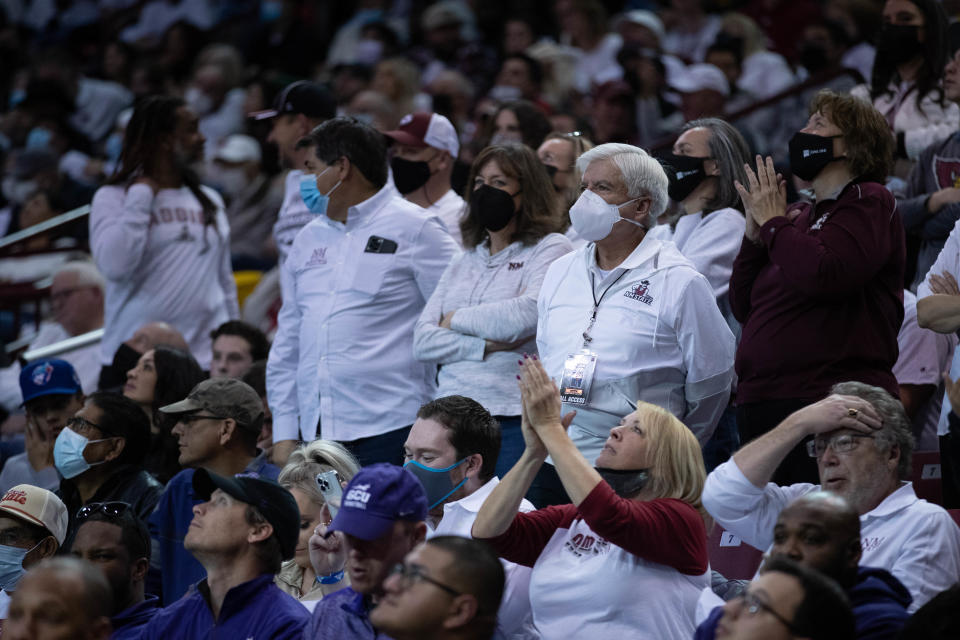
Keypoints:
(376, 497)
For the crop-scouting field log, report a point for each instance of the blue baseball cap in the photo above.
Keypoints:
(48, 377)
(376, 497)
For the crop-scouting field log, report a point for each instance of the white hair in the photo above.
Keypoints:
(87, 273)
(642, 175)
(308, 460)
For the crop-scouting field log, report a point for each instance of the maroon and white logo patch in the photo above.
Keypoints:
(947, 171)
(581, 545)
(318, 257)
(640, 292)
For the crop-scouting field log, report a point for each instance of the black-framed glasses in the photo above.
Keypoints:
(842, 443)
(410, 573)
(112, 510)
(79, 424)
(755, 605)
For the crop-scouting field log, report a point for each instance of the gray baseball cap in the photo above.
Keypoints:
(224, 398)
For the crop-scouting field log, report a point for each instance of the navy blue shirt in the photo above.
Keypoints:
(177, 567)
(254, 610)
(344, 615)
(129, 623)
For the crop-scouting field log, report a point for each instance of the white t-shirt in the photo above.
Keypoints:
(162, 264)
(293, 214)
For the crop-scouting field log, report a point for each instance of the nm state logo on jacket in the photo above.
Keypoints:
(639, 292)
(585, 544)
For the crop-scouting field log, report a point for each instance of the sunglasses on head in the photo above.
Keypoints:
(112, 510)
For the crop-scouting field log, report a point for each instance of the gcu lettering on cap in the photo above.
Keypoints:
(357, 497)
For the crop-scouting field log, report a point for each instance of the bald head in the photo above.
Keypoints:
(820, 530)
(153, 334)
(65, 593)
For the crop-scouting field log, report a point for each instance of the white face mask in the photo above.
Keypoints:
(200, 102)
(593, 218)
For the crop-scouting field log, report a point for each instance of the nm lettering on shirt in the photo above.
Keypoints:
(584, 544)
(176, 215)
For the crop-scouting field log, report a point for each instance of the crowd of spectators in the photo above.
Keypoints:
(457, 319)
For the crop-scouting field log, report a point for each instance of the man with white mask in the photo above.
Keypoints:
(627, 317)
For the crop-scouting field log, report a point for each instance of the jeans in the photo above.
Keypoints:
(386, 447)
(724, 442)
(511, 444)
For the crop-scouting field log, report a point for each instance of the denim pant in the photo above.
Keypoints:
(386, 447)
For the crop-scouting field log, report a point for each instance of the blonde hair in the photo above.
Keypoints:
(676, 469)
(315, 457)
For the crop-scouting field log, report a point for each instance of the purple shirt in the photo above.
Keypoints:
(344, 615)
(821, 299)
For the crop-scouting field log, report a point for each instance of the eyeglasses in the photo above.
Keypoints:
(112, 510)
(842, 443)
(754, 605)
(80, 424)
(189, 419)
(411, 573)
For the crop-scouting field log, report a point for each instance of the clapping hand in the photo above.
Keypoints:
(541, 398)
(767, 195)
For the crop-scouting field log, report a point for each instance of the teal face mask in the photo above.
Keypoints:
(436, 482)
(316, 202)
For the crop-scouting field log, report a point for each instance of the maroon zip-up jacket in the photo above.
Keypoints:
(821, 299)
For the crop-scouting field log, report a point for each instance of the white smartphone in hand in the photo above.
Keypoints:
(329, 484)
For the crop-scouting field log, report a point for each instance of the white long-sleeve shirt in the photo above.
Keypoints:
(659, 337)
(711, 243)
(458, 518)
(343, 353)
(293, 214)
(916, 541)
(151, 251)
(495, 298)
(450, 208)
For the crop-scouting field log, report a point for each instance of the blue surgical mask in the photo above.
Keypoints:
(11, 565)
(68, 453)
(316, 202)
(436, 482)
(38, 138)
(113, 147)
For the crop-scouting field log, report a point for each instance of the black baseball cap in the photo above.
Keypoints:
(309, 98)
(275, 503)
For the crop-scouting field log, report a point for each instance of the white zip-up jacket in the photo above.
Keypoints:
(495, 298)
(150, 248)
(343, 353)
(659, 337)
(916, 541)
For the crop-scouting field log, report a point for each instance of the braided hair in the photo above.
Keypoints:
(156, 116)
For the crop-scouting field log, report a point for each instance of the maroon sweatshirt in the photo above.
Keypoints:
(821, 300)
(665, 530)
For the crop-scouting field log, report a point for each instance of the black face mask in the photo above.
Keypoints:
(493, 207)
(813, 57)
(114, 376)
(409, 175)
(685, 174)
(625, 484)
(898, 43)
(551, 170)
(809, 154)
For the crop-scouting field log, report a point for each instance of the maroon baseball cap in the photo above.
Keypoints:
(423, 129)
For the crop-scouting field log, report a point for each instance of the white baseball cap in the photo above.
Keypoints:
(238, 148)
(36, 506)
(698, 77)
